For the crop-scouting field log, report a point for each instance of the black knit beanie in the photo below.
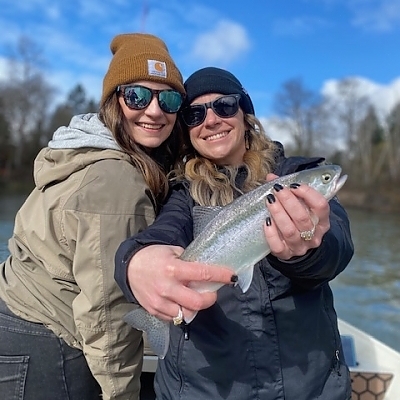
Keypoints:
(216, 80)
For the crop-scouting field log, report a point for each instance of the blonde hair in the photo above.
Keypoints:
(154, 164)
(211, 185)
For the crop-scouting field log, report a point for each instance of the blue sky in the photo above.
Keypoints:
(263, 42)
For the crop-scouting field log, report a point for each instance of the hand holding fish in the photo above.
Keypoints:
(299, 218)
(161, 297)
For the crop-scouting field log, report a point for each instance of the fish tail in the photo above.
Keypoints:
(157, 331)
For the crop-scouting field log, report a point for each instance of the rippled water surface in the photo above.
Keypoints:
(367, 293)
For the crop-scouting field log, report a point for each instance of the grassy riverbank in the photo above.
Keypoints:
(377, 201)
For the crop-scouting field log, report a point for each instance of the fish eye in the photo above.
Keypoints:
(326, 177)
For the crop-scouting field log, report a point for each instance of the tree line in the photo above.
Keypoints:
(28, 117)
(345, 128)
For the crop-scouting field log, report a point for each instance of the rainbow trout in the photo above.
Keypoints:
(233, 236)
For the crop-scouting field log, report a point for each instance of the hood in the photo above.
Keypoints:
(85, 130)
(85, 141)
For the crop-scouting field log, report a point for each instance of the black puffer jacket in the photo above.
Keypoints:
(277, 341)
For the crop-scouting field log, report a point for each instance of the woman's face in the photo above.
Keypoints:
(150, 126)
(222, 140)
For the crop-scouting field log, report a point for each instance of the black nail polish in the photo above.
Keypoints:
(234, 278)
(270, 198)
(294, 185)
(278, 187)
(268, 221)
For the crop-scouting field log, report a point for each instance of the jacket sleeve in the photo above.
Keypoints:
(328, 260)
(173, 226)
(108, 208)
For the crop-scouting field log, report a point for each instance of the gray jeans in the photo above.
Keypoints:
(35, 364)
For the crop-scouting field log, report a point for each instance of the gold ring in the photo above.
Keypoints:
(308, 235)
(179, 318)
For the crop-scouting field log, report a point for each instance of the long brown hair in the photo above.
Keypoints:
(154, 165)
(211, 185)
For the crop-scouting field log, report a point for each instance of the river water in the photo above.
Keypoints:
(367, 293)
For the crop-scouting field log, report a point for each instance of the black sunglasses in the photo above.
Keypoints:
(138, 97)
(224, 107)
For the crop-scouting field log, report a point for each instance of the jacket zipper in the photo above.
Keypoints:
(185, 336)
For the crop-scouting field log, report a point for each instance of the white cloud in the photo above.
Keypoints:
(382, 97)
(23, 6)
(95, 9)
(273, 129)
(227, 42)
(3, 68)
(380, 15)
(298, 26)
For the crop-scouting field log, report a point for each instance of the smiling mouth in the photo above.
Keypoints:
(217, 136)
(154, 127)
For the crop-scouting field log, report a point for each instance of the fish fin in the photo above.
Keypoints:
(202, 216)
(245, 277)
(157, 331)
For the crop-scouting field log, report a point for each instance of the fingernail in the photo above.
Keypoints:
(294, 185)
(278, 187)
(268, 221)
(270, 198)
(234, 278)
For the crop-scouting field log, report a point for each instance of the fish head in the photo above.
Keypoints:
(326, 179)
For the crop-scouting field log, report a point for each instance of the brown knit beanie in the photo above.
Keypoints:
(140, 56)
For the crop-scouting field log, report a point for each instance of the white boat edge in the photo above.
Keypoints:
(373, 356)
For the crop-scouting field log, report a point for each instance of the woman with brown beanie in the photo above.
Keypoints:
(279, 339)
(100, 179)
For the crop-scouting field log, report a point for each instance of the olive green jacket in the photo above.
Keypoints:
(61, 269)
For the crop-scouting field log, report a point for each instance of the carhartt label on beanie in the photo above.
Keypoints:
(157, 68)
(140, 57)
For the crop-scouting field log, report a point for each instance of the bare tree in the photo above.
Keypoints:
(6, 148)
(369, 136)
(392, 136)
(26, 93)
(303, 116)
(348, 107)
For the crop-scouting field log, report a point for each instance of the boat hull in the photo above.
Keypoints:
(374, 367)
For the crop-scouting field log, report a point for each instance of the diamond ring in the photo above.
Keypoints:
(308, 235)
(179, 318)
